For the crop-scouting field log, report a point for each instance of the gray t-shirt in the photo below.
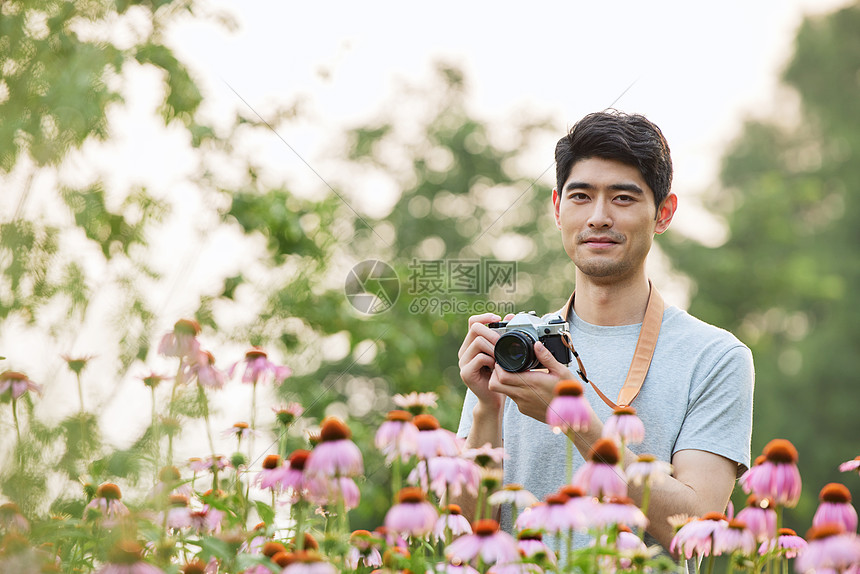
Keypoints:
(697, 395)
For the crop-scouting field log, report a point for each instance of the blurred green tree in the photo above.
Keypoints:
(783, 280)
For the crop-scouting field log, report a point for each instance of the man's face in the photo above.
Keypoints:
(605, 212)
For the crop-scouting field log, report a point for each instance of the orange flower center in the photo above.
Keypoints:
(332, 428)
(605, 451)
(781, 451)
(411, 495)
(298, 459)
(272, 461)
(486, 527)
(399, 416)
(426, 422)
(272, 548)
(835, 492)
(568, 388)
(109, 491)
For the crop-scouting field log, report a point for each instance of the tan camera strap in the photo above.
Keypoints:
(641, 356)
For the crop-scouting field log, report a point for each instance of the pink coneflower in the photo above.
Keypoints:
(212, 463)
(416, 403)
(736, 537)
(207, 520)
(625, 426)
(412, 515)
(551, 516)
(125, 558)
(485, 455)
(513, 494)
(452, 522)
(777, 478)
(201, 366)
(433, 440)
(648, 469)
(759, 517)
(182, 341)
(569, 409)
(627, 544)
(179, 514)
(107, 502)
(788, 543)
(829, 548)
(697, 536)
(449, 475)
(515, 568)
(531, 545)
(259, 369)
(617, 510)
(286, 414)
(850, 465)
(293, 479)
(487, 543)
(17, 384)
(363, 550)
(836, 507)
(197, 566)
(240, 430)
(309, 562)
(601, 476)
(397, 436)
(272, 473)
(11, 518)
(328, 490)
(336, 454)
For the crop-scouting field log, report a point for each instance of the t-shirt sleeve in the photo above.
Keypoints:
(719, 409)
(466, 414)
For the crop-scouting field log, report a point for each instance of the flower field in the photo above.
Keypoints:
(288, 509)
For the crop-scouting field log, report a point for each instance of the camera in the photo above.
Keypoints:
(515, 348)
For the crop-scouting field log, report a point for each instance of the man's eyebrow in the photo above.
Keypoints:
(630, 187)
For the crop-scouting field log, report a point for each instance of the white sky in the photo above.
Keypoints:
(698, 69)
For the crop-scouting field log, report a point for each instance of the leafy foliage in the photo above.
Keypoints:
(784, 279)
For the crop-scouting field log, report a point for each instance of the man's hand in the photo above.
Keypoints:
(476, 359)
(531, 390)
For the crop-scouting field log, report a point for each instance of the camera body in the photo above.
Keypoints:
(514, 350)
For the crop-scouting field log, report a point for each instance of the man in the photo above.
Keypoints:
(614, 174)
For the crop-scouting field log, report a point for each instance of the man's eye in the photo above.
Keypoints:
(578, 196)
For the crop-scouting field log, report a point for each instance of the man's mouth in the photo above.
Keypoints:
(600, 241)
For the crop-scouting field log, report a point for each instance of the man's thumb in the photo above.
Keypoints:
(548, 360)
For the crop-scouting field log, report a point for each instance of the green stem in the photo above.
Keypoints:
(156, 436)
(205, 404)
(711, 559)
(80, 391)
(646, 499)
(396, 479)
(298, 511)
(15, 418)
(253, 423)
(569, 468)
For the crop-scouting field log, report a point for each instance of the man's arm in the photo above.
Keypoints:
(701, 482)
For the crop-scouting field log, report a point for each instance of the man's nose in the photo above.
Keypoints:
(600, 215)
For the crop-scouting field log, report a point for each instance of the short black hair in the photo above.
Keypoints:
(628, 138)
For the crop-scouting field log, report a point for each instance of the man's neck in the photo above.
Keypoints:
(611, 304)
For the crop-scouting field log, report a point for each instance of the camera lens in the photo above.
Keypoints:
(515, 352)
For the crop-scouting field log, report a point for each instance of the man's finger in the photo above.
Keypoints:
(549, 361)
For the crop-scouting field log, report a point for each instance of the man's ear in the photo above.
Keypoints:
(556, 201)
(665, 213)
